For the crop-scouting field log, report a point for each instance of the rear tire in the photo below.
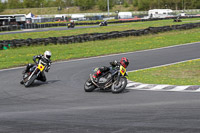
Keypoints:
(118, 88)
(89, 86)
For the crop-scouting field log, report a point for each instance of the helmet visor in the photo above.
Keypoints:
(48, 56)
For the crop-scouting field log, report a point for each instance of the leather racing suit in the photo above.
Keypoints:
(37, 59)
(105, 69)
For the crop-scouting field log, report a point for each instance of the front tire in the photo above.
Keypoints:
(118, 88)
(29, 82)
(89, 86)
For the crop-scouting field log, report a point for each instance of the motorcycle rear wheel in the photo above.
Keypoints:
(118, 88)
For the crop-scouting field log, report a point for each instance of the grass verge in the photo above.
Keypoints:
(23, 55)
(187, 73)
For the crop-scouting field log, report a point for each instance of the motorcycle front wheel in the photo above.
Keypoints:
(119, 87)
(30, 81)
(89, 86)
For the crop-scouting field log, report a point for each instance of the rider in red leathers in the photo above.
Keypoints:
(124, 62)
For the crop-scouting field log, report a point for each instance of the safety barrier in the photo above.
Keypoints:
(92, 36)
(9, 28)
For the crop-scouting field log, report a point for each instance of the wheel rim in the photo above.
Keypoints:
(119, 85)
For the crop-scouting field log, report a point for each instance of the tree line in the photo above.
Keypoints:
(102, 4)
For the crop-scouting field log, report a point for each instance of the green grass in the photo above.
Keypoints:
(75, 9)
(187, 73)
(70, 10)
(128, 26)
(23, 55)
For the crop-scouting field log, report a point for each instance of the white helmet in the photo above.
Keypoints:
(47, 54)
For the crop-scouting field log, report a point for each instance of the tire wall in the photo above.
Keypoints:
(4, 44)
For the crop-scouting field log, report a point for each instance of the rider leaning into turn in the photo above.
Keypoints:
(45, 58)
(124, 62)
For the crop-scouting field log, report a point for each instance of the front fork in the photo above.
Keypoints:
(118, 78)
(35, 71)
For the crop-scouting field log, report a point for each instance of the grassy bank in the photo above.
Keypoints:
(67, 10)
(187, 73)
(121, 27)
(23, 55)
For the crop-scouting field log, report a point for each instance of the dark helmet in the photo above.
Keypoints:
(124, 62)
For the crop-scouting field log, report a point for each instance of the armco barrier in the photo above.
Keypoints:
(92, 36)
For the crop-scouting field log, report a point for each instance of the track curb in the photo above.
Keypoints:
(162, 87)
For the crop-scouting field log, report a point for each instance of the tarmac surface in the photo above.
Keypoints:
(61, 106)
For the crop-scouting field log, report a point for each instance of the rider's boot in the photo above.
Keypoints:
(22, 82)
(26, 69)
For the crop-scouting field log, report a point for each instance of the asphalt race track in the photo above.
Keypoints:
(53, 29)
(46, 29)
(61, 105)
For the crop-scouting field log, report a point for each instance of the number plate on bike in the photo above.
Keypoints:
(40, 67)
(122, 70)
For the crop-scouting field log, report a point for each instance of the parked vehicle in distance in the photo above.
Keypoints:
(60, 17)
(160, 13)
(78, 17)
(125, 15)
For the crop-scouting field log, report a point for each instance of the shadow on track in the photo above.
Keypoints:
(39, 83)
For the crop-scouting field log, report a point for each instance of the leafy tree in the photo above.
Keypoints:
(85, 4)
(29, 3)
(126, 4)
(48, 3)
(1, 7)
(144, 5)
(14, 4)
(102, 4)
(39, 3)
(59, 3)
(197, 4)
(69, 2)
(177, 4)
(135, 3)
(33, 3)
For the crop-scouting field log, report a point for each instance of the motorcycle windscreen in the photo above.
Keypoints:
(122, 70)
(40, 67)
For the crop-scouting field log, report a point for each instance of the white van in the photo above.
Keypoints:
(78, 17)
(125, 15)
(60, 17)
(160, 13)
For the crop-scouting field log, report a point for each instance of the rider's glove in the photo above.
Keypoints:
(114, 63)
(47, 69)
